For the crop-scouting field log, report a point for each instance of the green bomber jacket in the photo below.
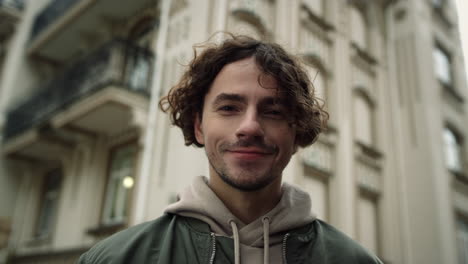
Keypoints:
(178, 239)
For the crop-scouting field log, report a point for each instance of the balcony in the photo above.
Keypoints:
(10, 11)
(97, 95)
(64, 27)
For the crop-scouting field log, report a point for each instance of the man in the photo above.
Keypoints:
(250, 104)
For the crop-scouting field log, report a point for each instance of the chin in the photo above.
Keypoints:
(244, 181)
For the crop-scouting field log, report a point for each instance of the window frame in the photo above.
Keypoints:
(361, 10)
(103, 220)
(461, 220)
(364, 195)
(438, 3)
(360, 93)
(439, 49)
(459, 150)
(38, 233)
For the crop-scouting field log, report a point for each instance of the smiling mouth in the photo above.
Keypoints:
(249, 154)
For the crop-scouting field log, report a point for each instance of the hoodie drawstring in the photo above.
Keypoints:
(235, 234)
(266, 240)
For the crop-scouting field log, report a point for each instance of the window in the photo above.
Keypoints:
(120, 184)
(437, 3)
(138, 59)
(316, 185)
(358, 28)
(49, 203)
(363, 120)
(462, 237)
(442, 66)
(368, 223)
(138, 67)
(452, 146)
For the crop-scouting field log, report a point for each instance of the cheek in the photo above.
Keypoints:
(288, 142)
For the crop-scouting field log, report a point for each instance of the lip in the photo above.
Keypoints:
(249, 154)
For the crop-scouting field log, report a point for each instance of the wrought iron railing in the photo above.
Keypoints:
(118, 63)
(54, 10)
(17, 4)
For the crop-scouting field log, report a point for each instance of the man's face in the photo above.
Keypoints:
(245, 127)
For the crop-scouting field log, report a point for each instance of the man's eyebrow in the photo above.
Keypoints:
(229, 97)
(273, 101)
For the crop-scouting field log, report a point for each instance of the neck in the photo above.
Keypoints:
(247, 206)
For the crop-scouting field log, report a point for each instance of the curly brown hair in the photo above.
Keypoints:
(185, 100)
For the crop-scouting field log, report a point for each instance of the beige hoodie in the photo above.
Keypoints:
(293, 210)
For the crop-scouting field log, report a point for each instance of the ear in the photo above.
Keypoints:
(198, 130)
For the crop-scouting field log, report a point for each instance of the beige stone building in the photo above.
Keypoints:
(85, 152)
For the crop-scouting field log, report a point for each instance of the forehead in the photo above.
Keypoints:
(244, 77)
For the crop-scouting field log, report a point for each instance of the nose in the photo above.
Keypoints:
(250, 126)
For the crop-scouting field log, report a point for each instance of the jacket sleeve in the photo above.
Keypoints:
(136, 244)
(83, 259)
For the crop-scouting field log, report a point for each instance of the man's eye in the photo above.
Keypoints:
(227, 108)
(274, 113)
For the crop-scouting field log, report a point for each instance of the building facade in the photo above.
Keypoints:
(85, 151)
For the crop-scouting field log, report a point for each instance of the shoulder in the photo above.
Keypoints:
(320, 242)
(337, 241)
(131, 242)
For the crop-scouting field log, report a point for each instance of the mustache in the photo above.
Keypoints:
(245, 143)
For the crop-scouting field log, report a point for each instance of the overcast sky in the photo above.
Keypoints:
(462, 6)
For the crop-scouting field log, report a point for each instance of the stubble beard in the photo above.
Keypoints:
(235, 181)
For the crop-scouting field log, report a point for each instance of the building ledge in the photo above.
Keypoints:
(453, 93)
(364, 54)
(460, 176)
(368, 151)
(441, 16)
(39, 241)
(318, 20)
(104, 230)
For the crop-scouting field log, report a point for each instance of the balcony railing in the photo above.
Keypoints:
(118, 63)
(10, 13)
(55, 9)
(16, 4)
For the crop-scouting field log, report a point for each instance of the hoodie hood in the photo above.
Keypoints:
(200, 202)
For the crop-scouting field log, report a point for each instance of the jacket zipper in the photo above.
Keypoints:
(284, 248)
(213, 251)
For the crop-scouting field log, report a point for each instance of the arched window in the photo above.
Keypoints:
(363, 119)
(452, 147)
(358, 27)
(442, 65)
